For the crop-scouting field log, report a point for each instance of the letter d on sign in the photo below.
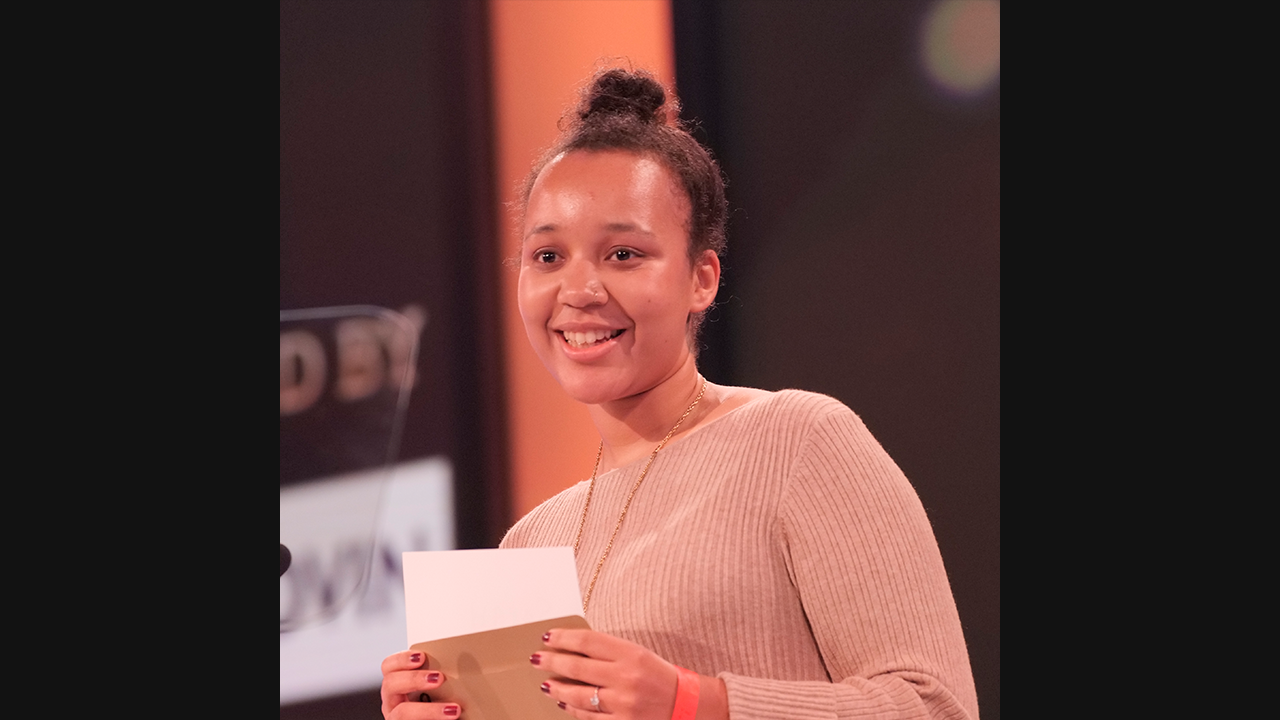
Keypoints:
(302, 371)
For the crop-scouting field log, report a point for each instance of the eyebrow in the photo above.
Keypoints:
(626, 227)
(611, 227)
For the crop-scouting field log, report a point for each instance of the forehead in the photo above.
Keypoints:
(611, 186)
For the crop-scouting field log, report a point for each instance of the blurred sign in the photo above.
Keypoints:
(339, 432)
(345, 654)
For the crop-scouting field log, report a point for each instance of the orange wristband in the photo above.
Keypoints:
(686, 695)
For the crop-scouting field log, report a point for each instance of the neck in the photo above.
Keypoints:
(631, 427)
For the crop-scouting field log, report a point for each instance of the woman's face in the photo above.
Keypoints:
(606, 286)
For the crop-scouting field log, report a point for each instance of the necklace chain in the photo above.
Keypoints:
(591, 490)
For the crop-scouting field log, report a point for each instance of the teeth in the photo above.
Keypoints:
(591, 337)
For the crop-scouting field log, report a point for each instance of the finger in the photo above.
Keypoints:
(405, 677)
(581, 714)
(407, 660)
(423, 711)
(572, 666)
(585, 642)
(578, 696)
(411, 682)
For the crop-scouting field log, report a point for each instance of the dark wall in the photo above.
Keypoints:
(864, 251)
(386, 199)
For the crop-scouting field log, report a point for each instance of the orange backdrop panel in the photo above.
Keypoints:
(543, 50)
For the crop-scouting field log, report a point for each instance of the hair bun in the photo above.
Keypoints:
(619, 92)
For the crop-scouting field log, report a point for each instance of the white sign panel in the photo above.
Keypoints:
(416, 513)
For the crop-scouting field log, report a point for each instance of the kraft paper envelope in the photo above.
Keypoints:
(480, 614)
(489, 674)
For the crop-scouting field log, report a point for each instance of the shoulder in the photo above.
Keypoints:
(803, 401)
(547, 523)
(798, 409)
(788, 424)
(824, 434)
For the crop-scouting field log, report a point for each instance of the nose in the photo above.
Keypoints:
(580, 286)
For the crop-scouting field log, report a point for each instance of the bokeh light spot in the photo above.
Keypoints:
(960, 45)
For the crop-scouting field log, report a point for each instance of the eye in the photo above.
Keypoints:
(545, 256)
(624, 254)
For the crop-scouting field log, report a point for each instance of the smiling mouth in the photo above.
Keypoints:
(589, 338)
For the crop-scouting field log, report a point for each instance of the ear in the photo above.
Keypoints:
(706, 280)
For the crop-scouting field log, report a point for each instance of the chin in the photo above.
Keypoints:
(593, 390)
(589, 393)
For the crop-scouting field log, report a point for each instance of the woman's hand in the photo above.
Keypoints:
(634, 684)
(404, 680)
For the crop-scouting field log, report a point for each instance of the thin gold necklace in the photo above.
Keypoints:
(591, 489)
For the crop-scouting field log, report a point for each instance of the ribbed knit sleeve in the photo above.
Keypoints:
(782, 550)
(862, 555)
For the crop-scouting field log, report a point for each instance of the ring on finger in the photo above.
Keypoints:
(595, 700)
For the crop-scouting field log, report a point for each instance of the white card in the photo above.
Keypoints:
(458, 592)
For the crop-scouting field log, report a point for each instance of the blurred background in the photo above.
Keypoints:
(861, 140)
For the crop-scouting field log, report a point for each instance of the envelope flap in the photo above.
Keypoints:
(489, 674)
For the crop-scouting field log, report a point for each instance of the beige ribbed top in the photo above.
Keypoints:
(780, 548)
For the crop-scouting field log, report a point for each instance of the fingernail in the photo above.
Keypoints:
(535, 658)
(452, 710)
(562, 705)
(546, 637)
(433, 677)
(546, 688)
(415, 658)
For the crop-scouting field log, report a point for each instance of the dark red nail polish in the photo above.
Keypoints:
(415, 658)
(535, 659)
(546, 688)
(433, 677)
(451, 711)
(562, 705)
(546, 637)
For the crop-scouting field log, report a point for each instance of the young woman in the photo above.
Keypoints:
(743, 554)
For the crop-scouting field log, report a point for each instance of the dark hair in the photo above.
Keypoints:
(629, 110)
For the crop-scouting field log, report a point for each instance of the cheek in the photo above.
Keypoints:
(527, 299)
